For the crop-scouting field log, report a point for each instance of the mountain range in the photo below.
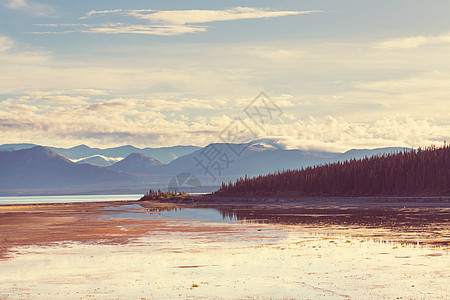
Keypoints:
(41, 167)
(98, 160)
(83, 152)
(30, 169)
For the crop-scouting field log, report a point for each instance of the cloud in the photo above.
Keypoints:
(119, 121)
(427, 82)
(124, 28)
(182, 17)
(110, 105)
(183, 104)
(169, 22)
(163, 30)
(413, 42)
(22, 108)
(32, 8)
(186, 81)
(95, 92)
(335, 134)
(58, 99)
(112, 11)
(63, 97)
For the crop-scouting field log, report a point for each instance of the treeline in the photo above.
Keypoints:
(407, 173)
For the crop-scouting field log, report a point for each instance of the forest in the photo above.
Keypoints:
(407, 173)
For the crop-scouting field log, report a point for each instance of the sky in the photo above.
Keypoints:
(338, 74)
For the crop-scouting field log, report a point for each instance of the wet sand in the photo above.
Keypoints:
(335, 249)
(406, 220)
(84, 222)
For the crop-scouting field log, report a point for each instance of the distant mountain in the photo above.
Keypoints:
(235, 159)
(222, 160)
(164, 154)
(136, 163)
(77, 152)
(12, 147)
(361, 153)
(98, 160)
(41, 167)
(83, 151)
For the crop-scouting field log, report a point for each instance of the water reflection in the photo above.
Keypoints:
(408, 225)
(417, 225)
(371, 217)
(171, 212)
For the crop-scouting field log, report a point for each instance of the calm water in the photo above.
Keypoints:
(67, 199)
(199, 215)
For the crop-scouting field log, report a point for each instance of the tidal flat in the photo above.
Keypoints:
(338, 249)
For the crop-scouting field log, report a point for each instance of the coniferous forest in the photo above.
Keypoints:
(408, 173)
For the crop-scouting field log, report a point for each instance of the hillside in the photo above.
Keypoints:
(136, 163)
(41, 167)
(98, 160)
(407, 173)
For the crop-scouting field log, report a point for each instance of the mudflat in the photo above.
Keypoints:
(426, 220)
(83, 222)
(207, 247)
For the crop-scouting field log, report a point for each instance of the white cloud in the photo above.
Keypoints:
(182, 17)
(178, 105)
(169, 22)
(132, 121)
(113, 11)
(55, 98)
(95, 92)
(335, 134)
(110, 105)
(163, 30)
(413, 42)
(31, 7)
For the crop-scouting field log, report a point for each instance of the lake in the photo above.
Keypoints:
(67, 199)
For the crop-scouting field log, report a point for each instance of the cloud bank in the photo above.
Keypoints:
(75, 116)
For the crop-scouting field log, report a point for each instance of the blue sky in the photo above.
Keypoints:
(346, 74)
